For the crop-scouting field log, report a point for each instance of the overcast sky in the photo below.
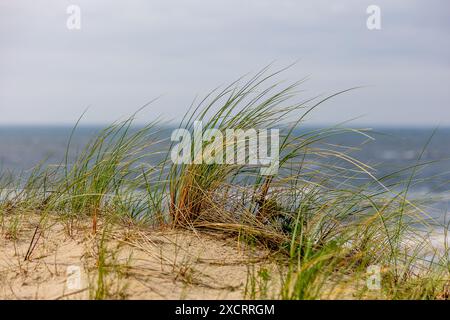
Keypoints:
(129, 52)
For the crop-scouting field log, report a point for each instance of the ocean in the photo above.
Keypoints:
(391, 149)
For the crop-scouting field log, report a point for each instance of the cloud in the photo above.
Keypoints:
(129, 52)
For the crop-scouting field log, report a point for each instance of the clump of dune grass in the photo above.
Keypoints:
(325, 215)
(315, 210)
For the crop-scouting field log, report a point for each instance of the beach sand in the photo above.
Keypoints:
(68, 262)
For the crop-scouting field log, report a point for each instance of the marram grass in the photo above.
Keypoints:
(325, 216)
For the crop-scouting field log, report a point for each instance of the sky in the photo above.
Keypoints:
(127, 53)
